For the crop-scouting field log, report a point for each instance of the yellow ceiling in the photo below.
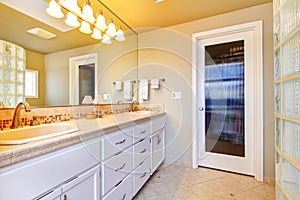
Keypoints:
(136, 13)
(147, 13)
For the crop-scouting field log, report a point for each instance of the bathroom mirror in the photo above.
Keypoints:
(51, 58)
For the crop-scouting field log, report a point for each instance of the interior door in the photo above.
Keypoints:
(225, 92)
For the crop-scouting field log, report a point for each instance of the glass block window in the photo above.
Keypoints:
(12, 73)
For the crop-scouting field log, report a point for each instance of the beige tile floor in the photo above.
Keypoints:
(181, 182)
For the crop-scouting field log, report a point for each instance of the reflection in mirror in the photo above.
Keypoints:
(31, 83)
(115, 62)
(86, 81)
(82, 82)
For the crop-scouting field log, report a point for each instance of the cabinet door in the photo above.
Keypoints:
(157, 150)
(85, 186)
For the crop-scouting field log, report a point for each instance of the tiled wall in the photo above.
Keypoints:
(64, 113)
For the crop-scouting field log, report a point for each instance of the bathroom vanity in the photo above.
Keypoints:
(108, 158)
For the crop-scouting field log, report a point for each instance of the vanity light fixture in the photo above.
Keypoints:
(157, 1)
(87, 19)
(54, 10)
(72, 20)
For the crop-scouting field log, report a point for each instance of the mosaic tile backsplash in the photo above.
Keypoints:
(54, 114)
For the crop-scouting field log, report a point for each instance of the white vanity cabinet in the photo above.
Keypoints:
(110, 167)
(129, 158)
(37, 177)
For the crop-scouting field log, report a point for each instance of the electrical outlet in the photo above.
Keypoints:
(176, 95)
(106, 96)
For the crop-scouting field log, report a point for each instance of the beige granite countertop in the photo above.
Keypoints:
(88, 129)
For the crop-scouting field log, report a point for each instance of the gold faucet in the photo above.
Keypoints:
(133, 107)
(2, 104)
(16, 123)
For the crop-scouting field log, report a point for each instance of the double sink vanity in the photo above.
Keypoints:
(106, 158)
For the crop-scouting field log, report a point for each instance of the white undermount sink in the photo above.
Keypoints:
(35, 133)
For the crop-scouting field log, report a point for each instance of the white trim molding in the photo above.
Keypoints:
(257, 28)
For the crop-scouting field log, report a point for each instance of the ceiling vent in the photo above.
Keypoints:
(41, 33)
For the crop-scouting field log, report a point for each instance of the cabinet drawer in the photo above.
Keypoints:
(157, 150)
(141, 152)
(84, 186)
(123, 191)
(141, 131)
(116, 169)
(157, 124)
(51, 195)
(141, 175)
(116, 142)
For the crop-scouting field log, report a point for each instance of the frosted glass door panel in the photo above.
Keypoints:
(224, 98)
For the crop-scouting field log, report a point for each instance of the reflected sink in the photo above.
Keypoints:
(35, 133)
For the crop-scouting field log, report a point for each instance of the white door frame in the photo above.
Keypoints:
(256, 28)
(74, 63)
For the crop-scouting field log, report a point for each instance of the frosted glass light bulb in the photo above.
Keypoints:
(106, 39)
(120, 35)
(71, 5)
(96, 34)
(72, 20)
(87, 13)
(85, 28)
(100, 23)
(111, 30)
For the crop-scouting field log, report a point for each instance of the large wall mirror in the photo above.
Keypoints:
(52, 58)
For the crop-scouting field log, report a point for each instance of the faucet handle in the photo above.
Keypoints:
(34, 121)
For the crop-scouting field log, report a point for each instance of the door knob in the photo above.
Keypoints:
(201, 108)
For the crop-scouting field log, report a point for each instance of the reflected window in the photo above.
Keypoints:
(31, 83)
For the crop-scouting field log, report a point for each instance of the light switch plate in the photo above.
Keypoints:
(106, 96)
(176, 95)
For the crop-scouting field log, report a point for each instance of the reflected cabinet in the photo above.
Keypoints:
(286, 93)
